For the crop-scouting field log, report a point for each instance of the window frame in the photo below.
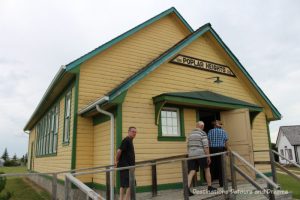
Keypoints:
(180, 122)
(67, 119)
(45, 137)
(290, 154)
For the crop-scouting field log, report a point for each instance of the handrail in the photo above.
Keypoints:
(148, 164)
(143, 163)
(86, 169)
(84, 188)
(295, 164)
(258, 172)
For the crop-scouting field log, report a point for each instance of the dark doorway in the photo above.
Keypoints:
(208, 116)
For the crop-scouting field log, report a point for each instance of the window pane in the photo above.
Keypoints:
(163, 113)
(56, 123)
(290, 154)
(164, 129)
(54, 143)
(169, 130)
(163, 121)
(66, 130)
(174, 123)
(68, 107)
(175, 131)
(174, 114)
(169, 121)
(67, 117)
(169, 114)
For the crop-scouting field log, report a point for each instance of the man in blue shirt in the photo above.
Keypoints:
(218, 142)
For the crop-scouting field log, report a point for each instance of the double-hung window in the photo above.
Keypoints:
(46, 132)
(171, 124)
(66, 137)
(55, 125)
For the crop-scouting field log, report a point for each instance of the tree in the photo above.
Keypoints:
(15, 157)
(25, 158)
(5, 155)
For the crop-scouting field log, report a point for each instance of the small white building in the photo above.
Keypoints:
(288, 143)
(1, 162)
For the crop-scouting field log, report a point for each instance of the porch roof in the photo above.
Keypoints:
(205, 98)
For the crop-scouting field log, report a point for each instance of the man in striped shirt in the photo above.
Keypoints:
(218, 143)
(198, 146)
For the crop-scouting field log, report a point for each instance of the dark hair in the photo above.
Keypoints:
(131, 128)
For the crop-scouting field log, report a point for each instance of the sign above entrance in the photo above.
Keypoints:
(202, 64)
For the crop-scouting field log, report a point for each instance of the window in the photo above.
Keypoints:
(281, 152)
(66, 137)
(55, 131)
(46, 132)
(171, 124)
(290, 154)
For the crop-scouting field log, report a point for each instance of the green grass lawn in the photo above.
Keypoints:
(288, 183)
(21, 188)
(8, 170)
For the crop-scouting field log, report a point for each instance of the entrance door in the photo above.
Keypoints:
(237, 125)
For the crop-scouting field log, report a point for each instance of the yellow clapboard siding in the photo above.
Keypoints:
(127, 57)
(101, 146)
(138, 108)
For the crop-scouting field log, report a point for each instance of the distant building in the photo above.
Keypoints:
(1, 162)
(288, 143)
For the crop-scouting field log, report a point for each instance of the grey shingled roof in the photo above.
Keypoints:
(292, 133)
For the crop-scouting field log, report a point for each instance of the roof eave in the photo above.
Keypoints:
(56, 79)
(276, 113)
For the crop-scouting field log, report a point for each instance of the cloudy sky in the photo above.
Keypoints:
(37, 37)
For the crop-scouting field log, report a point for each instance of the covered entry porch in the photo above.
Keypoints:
(237, 117)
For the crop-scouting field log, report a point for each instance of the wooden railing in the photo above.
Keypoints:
(154, 163)
(71, 178)
(271, 185)
(290, 173)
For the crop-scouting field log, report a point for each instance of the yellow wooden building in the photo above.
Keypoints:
(161, 77)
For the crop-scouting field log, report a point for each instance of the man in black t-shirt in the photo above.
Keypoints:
(126, 157)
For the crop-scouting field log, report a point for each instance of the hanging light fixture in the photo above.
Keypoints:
(218, 80)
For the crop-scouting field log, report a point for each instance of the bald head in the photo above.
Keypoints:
(200, 124)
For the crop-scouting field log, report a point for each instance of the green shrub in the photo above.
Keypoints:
(2, 182)
(7, 195)
(11, 163)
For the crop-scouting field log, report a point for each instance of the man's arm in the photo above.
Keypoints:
(226, 145)
(206, 150)
(119, 151)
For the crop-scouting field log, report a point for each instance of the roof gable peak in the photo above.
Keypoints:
(128, 33)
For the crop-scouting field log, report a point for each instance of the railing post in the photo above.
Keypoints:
(233, 173)
(273, 167)
(132, 184)
(224, 171)
(107, 184)
(185, 180)
(67, 189)
(271, 192)
(154, 180)
(54, 186)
